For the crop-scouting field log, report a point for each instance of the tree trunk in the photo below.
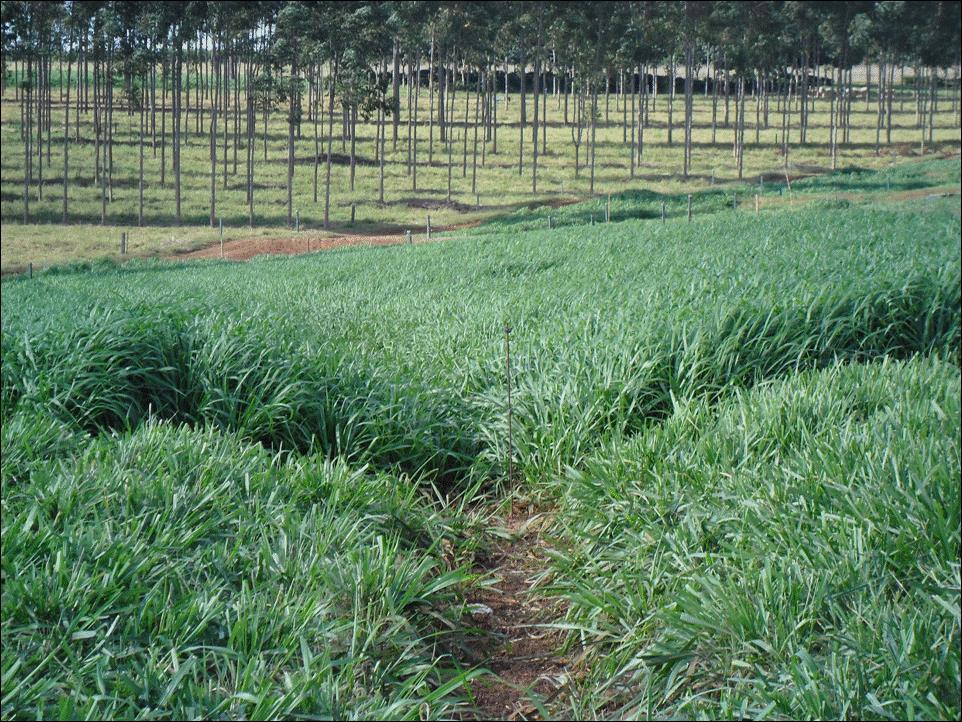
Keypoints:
(163, 118)
(727, 88)
(594, 114)
(140, 158)
(534, 129)
(330, 141)
(642, 110)
(689, 53)
(888, 101)
(249, 145)
(631, 101)
(213, 148)
(395, 95)
(353, 143)
(467, 110)
(671, 94)
(41, 66)
(521, 73)
(28, 124)
(317, 105)
(544, 111)
(410, 122)
(178, 69)
(66, 145)
(833, 121)
(741, 124)
(714, 106)
(431, 102)
(414, 138)
(482, 83)
(382, 131)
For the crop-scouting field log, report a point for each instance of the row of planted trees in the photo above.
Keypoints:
(218, 71)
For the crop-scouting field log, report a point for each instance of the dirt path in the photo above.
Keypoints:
(530, 671)
(245, 248)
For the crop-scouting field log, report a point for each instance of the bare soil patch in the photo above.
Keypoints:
(524, 656)
(246, 248)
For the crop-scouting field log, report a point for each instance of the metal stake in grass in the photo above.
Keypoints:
(689, 207)
(756, 204)
(734, 201)
(353, 212)
(429, 227)
(608, 209)
(663, 213)
(549, 221)
(30, 270)
(297, 220)
(507, 374)
(123, 243)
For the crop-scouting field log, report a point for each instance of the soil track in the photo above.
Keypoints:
(530, 670)
(245, 248)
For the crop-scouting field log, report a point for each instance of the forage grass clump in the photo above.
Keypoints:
(791, 552)
(189, 573)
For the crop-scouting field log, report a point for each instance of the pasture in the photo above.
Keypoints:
(269, 489)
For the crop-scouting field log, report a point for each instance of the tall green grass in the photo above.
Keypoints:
(395, 355)
(178, 573)
(213, 474)
(792, 553)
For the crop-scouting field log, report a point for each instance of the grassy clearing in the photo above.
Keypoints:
(217, 476)
(500, 188)
(855, 185)
(793, 553)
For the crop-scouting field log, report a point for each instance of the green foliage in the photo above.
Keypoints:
(792, 553)
(179, 573)
(213, 473)
(395, 355)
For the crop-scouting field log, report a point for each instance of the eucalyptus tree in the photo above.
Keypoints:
(410, 22)
(287, 55)
(839, 19)
(529, 29)
(21, 38)
(640, 46)
(588, 33)
(936, 39)
(693, 18)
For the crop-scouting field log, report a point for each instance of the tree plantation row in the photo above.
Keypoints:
(190, 110)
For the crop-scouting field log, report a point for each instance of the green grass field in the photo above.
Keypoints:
(257, 490)
(500, 189)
